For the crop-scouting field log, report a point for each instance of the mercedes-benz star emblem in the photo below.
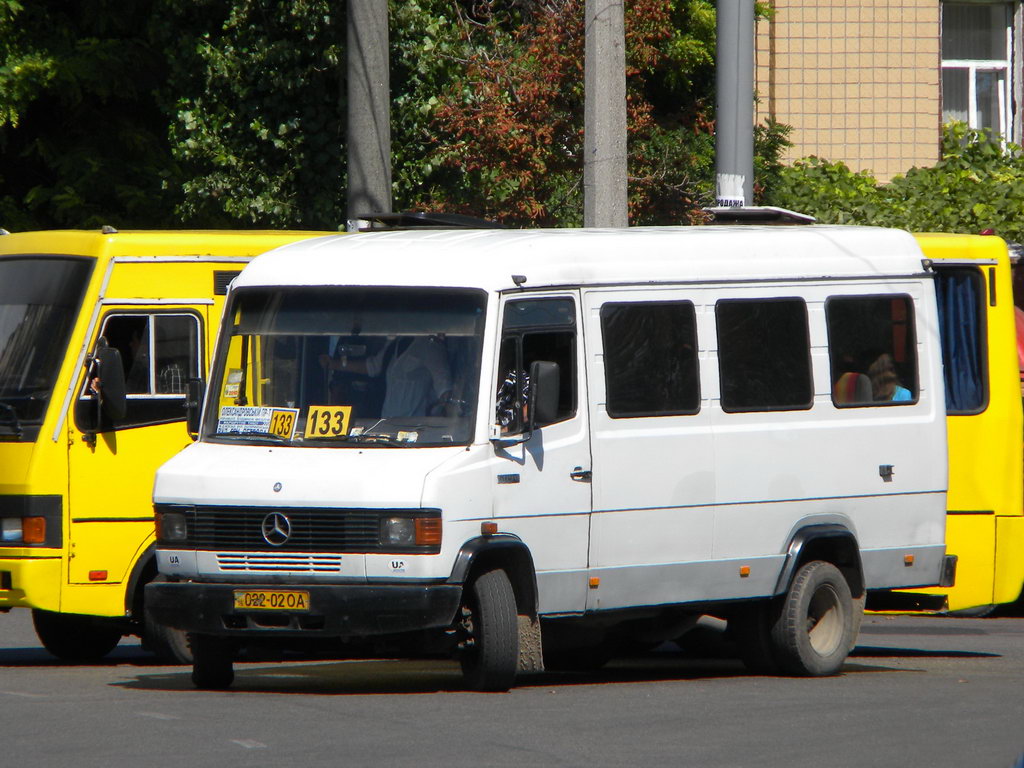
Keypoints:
(277, 529)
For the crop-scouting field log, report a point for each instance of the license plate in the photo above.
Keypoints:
(271, 600)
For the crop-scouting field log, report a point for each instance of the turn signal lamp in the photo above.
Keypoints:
(33, 530)
(428, 532)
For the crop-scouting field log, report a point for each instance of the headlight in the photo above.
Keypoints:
(170, 526)
(10, 530)
(411, 532)
(398, 532)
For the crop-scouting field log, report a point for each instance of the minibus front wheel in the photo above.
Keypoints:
(489, 646)
(71, 637)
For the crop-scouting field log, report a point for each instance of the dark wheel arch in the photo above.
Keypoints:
(506, 552)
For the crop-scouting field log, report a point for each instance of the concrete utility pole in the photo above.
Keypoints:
(734, 120)
(604, 116)
(369, 109)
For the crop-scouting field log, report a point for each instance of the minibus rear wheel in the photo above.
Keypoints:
(212, 662)
(71, 637)
(813, 633)
(490, 644)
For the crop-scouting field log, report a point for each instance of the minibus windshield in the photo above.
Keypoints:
(343, 366)
(39, 300)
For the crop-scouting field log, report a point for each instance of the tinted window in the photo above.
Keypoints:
(650, 357)
(872, 350)
(764, 354)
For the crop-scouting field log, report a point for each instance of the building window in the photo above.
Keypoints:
(977, 52)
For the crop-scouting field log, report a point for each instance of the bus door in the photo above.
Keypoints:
(112, 465)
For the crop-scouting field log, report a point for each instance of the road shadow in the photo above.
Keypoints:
(40, 657)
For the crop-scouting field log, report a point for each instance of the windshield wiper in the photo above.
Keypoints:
(15, 423)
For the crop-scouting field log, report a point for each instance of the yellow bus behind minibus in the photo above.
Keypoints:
(100, 334)
(985, 512)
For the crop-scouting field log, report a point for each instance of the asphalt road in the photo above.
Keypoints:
(918, 691)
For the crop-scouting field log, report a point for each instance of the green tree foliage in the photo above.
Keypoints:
(508, 128)
(257, 102)
(233, 112)
(82, 139)
(977, 184)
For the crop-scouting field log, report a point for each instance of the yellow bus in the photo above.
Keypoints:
(100, 335)
(985, 508)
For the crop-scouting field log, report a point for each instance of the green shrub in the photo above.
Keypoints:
(977, 184)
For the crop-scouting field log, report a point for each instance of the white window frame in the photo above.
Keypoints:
(1002, 66)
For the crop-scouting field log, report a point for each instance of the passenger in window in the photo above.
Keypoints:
(885, 383)
(172, 379)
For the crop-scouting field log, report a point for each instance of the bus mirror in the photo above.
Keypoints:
(107, 367)
(544, 386)
(194, 405)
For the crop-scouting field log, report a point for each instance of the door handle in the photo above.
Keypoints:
(580, 474)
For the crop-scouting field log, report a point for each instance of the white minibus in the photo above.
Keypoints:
(537, 448)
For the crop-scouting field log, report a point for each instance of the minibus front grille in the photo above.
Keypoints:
(318, 530)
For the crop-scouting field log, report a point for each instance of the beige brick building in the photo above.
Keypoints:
(870, 82)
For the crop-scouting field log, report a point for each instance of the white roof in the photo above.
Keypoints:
(557, 257)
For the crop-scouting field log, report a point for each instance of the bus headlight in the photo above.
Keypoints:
(171, 526)
(23, 530)
(411, 533)
(10, 530)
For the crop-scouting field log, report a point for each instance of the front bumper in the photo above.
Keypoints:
(351, 610)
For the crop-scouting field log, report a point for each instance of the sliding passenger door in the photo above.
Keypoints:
(653, 472)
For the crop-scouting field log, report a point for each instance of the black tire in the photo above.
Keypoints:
(814, 631)
(71, 637)
(170, 646)
(212, 662)
(490, 653)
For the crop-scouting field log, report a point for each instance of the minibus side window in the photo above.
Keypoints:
(764, 354)
(650, 358)
(535, 329)
(159, 352)
(872, 350)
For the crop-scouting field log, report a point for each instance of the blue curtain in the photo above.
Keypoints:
(959, 294)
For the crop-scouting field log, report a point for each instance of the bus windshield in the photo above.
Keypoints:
(343, 366)
(39, 300)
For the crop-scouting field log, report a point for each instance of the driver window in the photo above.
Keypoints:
(159, 353)
(535, 329)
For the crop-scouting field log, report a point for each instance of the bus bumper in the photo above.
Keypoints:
(30, 582)
(351, 610)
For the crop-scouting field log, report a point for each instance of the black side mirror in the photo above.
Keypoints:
(194, 405)
(545, 381)
(107, 367)
(105, 381)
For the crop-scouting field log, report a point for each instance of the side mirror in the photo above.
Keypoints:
(542, 403)
(107, 366)
(194, 406)
(105, 381)
(545, 380)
